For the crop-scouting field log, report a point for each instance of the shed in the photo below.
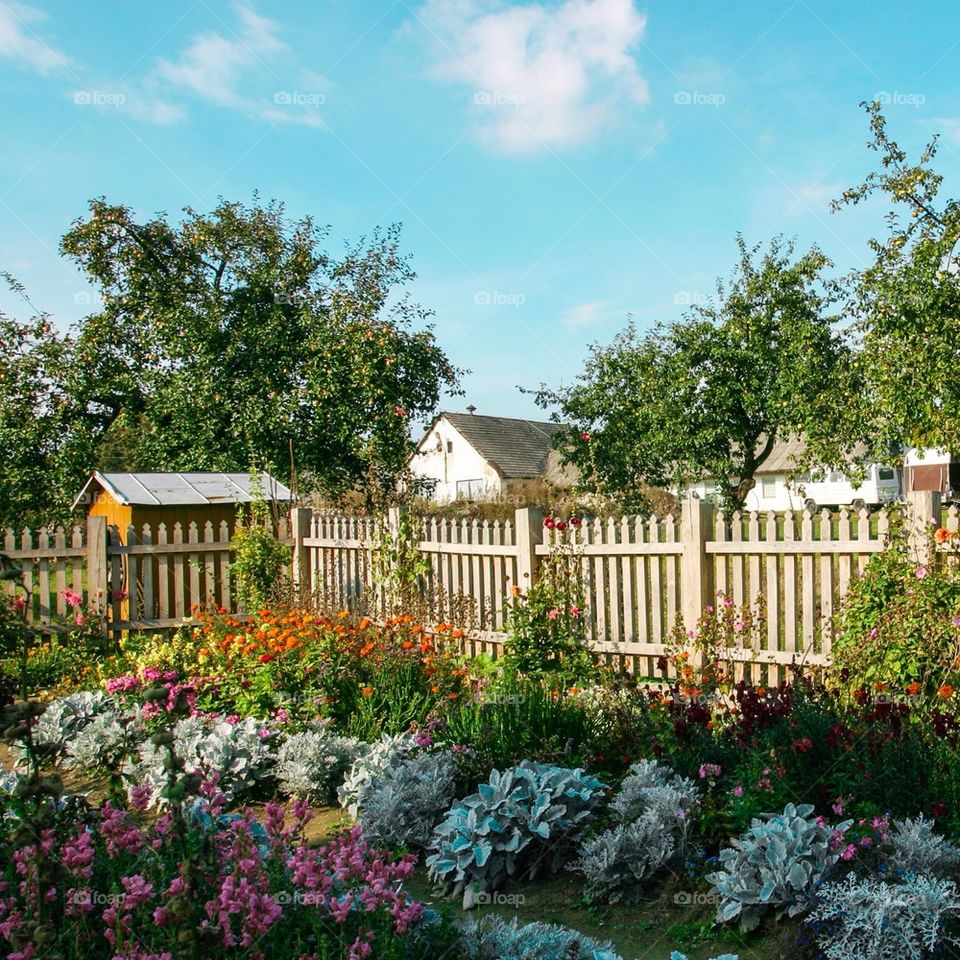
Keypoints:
(169, 498)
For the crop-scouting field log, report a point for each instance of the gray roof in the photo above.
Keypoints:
(169, 489)
(517, 449)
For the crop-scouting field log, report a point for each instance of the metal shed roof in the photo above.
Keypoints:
(172, 489)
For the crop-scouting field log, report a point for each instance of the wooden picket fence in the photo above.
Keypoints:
(142, 579)
(642, 578)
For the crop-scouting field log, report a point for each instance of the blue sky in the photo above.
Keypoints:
(556, 165)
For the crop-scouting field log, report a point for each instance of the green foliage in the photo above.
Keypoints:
(258, 556)
(899, 625)
(905, 306)
(547, 634)
(229, 336)
(398, 566)
(711, 394)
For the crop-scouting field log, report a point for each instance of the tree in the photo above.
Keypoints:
(38, 420)
(710, 395)
(905, 306)
(231, 338)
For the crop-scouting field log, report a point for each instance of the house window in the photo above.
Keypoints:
(449, 446)
(885, 473)
(469, 489)
(768, 487)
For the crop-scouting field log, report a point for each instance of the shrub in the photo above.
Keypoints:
(618, 861)
(494, 938)
(913, 847)
(653, 807)
(313, 764)
(865, 917)
(104, 743)
(776, 863)
(241, 753)
(401, 806)
(387, 752)
(63, 719)
(525, 818)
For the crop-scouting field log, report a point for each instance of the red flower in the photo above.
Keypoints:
(804, 745)
(549, 522)
(266, 658)
(561, 525)
(400, 411)
(575, 521)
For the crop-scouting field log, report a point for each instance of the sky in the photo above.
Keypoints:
(558, 167)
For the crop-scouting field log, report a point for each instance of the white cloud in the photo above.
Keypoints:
(584, 314)
(217, 68)
(951, 128)
(18, 43)
(539, 76)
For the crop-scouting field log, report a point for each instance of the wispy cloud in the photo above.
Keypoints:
(585, 314)
(221, 68)
(800, 199)
(19, 43)
(538, 76)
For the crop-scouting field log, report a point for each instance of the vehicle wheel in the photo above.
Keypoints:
(810, 505)
(858, 505)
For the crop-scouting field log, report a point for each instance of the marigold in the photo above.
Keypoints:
(367, 691)
(364, 623)
(946, 691)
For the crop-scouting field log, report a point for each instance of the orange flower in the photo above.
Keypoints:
(457, 634)
(452, 696)
(407, 645)
(367, 691)
(914, 688)
(515, 591)
(943, 535)
(761, 691)
(879, 687)
(364, 623)
(946, 691)
(434, 689)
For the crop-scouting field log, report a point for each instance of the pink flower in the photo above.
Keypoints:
(955, 621)
(849, 852)
(423, 739)
(710, 770)
(728, 601)
(79, 619)
(552, 613)
(72, 598)
(920, 572)
(737, 791)
(575, 611)
(584, 436)
(837, 806)
(19, 603)
(739, 626)
(400, 411)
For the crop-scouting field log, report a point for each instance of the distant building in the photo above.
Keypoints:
(127, 499)
(467, 456)
(932, 470)
(780, 487)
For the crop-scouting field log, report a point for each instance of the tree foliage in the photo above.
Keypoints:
(710, 395)
(232, 338)
(905, 306)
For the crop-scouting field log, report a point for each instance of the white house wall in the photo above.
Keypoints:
(449, 466)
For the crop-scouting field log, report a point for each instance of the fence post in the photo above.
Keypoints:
(696, 588)
(301, 574)
(923, 508)
(97, 565)
(528, 529)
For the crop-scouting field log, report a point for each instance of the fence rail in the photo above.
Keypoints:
(642, 578)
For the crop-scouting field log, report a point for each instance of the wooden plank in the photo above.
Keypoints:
(134, 576)
(60, 545)
(844, 564)
(656, 586)
(43, 575)
(826, 582)
(149, 608)
(772, 593)
(807, 583)
(671, 564)
(223, 559)
(789, 587)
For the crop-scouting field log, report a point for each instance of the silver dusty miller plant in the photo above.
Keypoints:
(105, 742)
(242, 753)
(913, 847)
(654, 809)
(868, 919)
(388, 751)
(401, 806)
(313, 764)
(62, 720)
(493, 938)
(775, 865)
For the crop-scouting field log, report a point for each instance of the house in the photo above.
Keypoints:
(136, 499)
(466, 456)
(780, 487)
